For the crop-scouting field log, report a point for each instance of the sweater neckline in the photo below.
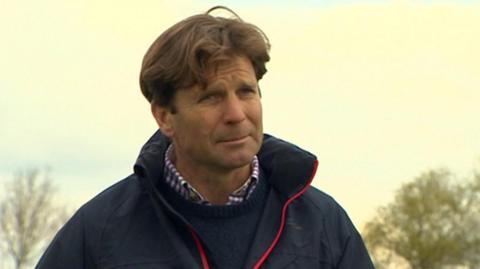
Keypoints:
(255, 199)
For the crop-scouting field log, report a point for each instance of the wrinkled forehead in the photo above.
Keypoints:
(236, 69)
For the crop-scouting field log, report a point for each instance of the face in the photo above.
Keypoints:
(218, 127)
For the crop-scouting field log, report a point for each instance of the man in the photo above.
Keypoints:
(209, 189)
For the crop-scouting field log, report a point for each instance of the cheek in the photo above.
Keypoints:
(199, 125)
(257, 116)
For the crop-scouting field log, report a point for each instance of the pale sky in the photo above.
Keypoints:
(380, 91)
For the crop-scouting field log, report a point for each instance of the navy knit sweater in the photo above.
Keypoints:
(226, 231)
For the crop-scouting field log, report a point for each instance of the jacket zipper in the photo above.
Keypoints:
(267, 253)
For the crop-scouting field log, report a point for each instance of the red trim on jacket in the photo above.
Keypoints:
(267, 253)
(200, 248)
(284, 215)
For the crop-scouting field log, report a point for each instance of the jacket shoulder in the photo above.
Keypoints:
(342, 238)
(78, 242)
(332, 215)
(323, 202)
(111, 199)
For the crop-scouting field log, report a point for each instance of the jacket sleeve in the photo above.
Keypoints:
(68, 248)
(350, 251)
(355, 254)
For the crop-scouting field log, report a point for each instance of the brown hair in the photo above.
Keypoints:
(179, 56)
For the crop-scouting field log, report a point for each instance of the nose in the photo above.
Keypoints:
(234, 110)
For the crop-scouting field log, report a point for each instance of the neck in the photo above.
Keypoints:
(213, 185)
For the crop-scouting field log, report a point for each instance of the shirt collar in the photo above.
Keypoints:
(176, 181)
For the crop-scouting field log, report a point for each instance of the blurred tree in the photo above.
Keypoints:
(473, 191)
(28, 216)
(432, 223)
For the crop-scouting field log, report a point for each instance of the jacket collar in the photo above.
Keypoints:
(288, 167)
(279, 160)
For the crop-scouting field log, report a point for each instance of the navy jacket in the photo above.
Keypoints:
(130, 225)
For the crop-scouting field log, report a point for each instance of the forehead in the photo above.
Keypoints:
(233, 72)
(234, 69)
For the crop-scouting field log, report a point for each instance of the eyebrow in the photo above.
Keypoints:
(240, 84)
(249, 84)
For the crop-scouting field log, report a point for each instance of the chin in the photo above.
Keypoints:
(239, 161)
(240, 157)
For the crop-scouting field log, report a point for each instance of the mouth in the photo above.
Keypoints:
(237, 139)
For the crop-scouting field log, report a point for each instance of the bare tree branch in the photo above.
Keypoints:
(28, 215)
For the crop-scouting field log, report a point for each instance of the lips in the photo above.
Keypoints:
(233, 139)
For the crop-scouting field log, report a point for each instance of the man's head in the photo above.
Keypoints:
(179, 57)
(201, 78)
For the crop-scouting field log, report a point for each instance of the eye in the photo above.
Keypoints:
(210, 98)
(247, 91)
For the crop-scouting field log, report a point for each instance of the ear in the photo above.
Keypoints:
(163, 117)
